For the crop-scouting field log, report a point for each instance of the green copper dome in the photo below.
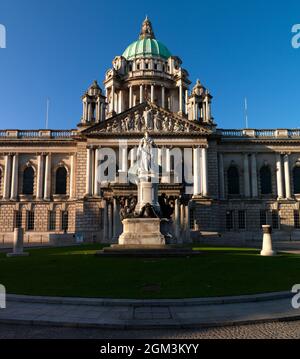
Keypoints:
(147, 45)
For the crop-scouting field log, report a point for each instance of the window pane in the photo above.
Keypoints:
(28, 181)
(233, 180)
(61, 180)
(265, 180)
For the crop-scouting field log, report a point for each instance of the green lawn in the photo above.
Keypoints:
(75, 271)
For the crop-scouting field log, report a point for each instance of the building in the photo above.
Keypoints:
(239, 180)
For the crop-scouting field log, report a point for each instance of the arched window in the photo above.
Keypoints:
(233, 180)
(28, 181)
(61, 181)
(296, 179)
(265, 180)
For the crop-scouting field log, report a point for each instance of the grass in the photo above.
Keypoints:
(75, 271)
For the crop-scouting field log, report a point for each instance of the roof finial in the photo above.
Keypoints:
(147, 31)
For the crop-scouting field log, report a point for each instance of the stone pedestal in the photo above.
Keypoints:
(141, 231)
(267, 249)
(147, 193)
(18, 244)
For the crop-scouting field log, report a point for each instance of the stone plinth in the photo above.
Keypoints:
(267, 249)
(18, 244)
(141, 231)
(147, 193)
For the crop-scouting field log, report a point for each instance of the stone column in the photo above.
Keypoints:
(254, 175)
(7, 176)
(279, 176)
(47, 184)
(165, 178)
(204, 172)
(197, 171)
(15, 175)
(141, 94)
(163, 99)
(105, 222)
(187, 223)
(130, 97)
(110, 222)
(180, 98)
(124, 162)
(177, 219)
(182, 223)
(112, 98)
(115, 220)
(186, 101)
(246, 176)
(89, 171)
(40, 176)
(96, 190)
(288, 193)
(221, 176)
(72, 176)
(152, 93)
(18, 244)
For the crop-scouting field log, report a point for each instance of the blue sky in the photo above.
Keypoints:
(236, 48)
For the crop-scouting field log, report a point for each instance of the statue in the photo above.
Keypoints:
(148, 118)
(157, 121)
(144, 154)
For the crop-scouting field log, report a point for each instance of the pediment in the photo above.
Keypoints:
(147, 117)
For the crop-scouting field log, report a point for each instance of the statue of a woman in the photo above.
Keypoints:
(144, 154)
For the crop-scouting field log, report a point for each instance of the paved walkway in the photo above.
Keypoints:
(121, 314)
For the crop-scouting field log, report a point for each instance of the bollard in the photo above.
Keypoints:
(267, 249)
(18, 244)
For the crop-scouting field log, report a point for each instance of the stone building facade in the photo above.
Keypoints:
(221, 181)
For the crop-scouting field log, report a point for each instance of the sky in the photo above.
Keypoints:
(56, 48)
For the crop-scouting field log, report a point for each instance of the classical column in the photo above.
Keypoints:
(115, 219)
(187, 223)
(105, 222)
(246, 176)
(152, 93)
(163, 98)
(110, 221)
(186, 101)
(221, 176)
(180, 98)
(141, 94)
(279, 176)
(132, 156)
(47, 184)
(182, 223)
(166, 165)
(89, 171)
(98, 110)
(15, 174)
(124, 163)
(89, 112)
(40, 175)
(130, 97)
(288, 193)
(112, 98)
(254, 175)
(196, 170)
(72, 176)
(7, 175)
(96, 191)
(177, 219)
(204, 172)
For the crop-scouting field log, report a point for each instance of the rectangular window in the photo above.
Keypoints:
(275, 219)
(64, 220)
(30, 221)
(242, 219)
(18, 219)
(229, 220)
(262, 217)
(52, 220)
(296, 219)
